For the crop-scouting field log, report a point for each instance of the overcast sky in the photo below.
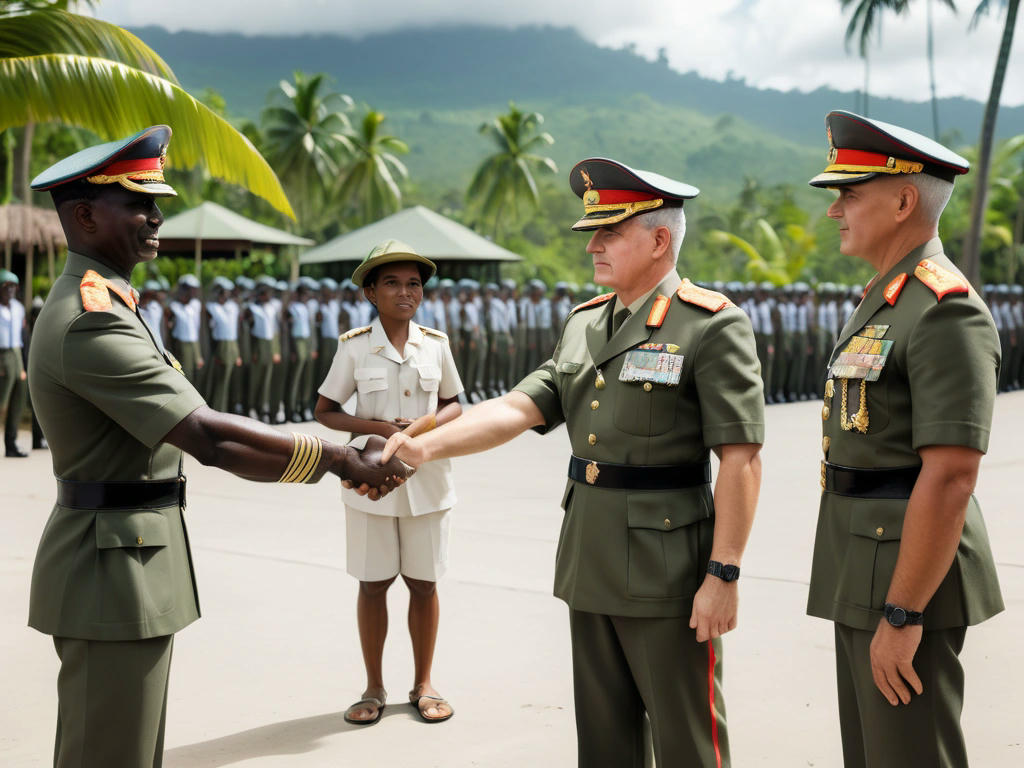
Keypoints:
(771, 43)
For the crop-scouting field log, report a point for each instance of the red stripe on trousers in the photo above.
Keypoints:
(711, 701)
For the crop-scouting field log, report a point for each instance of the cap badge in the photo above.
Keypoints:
(591, 196)
(833, 153)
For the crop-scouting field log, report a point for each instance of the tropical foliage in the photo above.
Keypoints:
(61, 66)
(506, 178)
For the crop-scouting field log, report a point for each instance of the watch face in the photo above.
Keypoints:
(730, 572)
(898, 617)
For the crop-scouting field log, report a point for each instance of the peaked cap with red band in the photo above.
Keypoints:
(861, 149)
(136, 163)
(612, 192)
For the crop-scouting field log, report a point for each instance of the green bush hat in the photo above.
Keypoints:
(8, 277)
(387, 253)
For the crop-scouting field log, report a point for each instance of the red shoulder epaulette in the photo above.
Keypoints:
(941, 280)
(597, 300)
(96, 290)
(893, 289)
(702, 297)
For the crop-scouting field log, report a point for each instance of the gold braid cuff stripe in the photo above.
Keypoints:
(306, 456)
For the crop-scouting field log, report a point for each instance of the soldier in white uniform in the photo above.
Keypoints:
(227, 359)
(13, 390)
(399, 372)
(185, 318)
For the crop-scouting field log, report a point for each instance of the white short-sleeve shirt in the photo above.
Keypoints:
(388, 385)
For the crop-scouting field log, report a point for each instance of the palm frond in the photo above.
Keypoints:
(114, 100)
(46, 32)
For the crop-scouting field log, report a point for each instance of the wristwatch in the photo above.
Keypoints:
(724, 572)
(900, 617)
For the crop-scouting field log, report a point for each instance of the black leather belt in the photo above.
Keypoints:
(121, 495)
(634, 477)
(889, 483)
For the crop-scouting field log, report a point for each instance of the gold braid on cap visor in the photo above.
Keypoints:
(127, 180)
(306, 454)
(622, 210)
(877, 163)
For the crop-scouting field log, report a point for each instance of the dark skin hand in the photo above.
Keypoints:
(257, 452)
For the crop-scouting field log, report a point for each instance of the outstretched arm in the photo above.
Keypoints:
(254, 451)
(483, 427)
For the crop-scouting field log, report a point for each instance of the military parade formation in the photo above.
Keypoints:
(261, 347)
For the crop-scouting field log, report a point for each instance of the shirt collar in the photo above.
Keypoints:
(381, 345)
(78, 264)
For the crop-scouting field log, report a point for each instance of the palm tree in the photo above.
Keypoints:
(864, 22)
(369, 186)
(972, 245)
(779, 259)
(507, 176)
(951, 4)
(306, 136)
(60, 66)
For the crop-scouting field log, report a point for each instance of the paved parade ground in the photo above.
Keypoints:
(263, 678)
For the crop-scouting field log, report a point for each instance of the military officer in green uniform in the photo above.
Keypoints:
(902, 563)
(649, 380)
(113, 580)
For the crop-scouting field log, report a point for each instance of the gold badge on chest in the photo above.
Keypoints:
(863, 358)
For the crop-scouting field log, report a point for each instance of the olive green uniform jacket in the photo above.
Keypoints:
(106, 397)
(644, 553)
(937, 387)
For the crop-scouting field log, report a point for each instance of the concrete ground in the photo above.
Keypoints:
(263, 677)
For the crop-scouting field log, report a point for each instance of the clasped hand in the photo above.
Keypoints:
(368, 475)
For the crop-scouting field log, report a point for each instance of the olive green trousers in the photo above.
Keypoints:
(625, 668)
(13, 392)
(925, 732)
(112, 702)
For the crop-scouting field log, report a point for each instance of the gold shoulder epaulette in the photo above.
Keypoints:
(95, 294)
(434, 332)
(353, 333)
(941, 280)
(702, 297)
(594, 302)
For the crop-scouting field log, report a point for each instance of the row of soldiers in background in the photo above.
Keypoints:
(1006, 303)
(258, 347)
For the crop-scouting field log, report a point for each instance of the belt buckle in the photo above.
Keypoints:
(592, 471)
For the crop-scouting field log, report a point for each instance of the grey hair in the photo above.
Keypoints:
(674, 219)
(934, 194)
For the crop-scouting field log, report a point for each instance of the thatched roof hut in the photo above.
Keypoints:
(25, 229)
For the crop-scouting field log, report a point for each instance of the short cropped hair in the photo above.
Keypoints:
(674, 219)
(933, 193)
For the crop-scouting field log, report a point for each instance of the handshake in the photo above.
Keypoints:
(377, 469)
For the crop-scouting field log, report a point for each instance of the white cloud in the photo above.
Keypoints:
(783, 44)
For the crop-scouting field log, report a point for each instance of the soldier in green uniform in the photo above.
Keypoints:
(649, 380)
(113, 580)
(12, 370)
(902, 562)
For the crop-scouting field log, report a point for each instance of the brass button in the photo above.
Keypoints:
(668, 523)
(879, 530)
(599, 382)
(826, 441)
(647, 386)
(407, 393)
(825, 411)
(592, 438)
(594, 405)
(830, 388)
(139, 541)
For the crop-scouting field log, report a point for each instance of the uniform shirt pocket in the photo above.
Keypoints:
(134, 566)
(430, 377)
(874, 546)
(666, 542)
(370, 380)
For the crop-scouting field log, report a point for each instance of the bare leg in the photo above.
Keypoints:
(372, 615)
(424, 615)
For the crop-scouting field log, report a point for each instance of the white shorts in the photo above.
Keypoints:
(379, 547)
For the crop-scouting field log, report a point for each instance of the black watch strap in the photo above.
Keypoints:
(901, 617)
(724, 572)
